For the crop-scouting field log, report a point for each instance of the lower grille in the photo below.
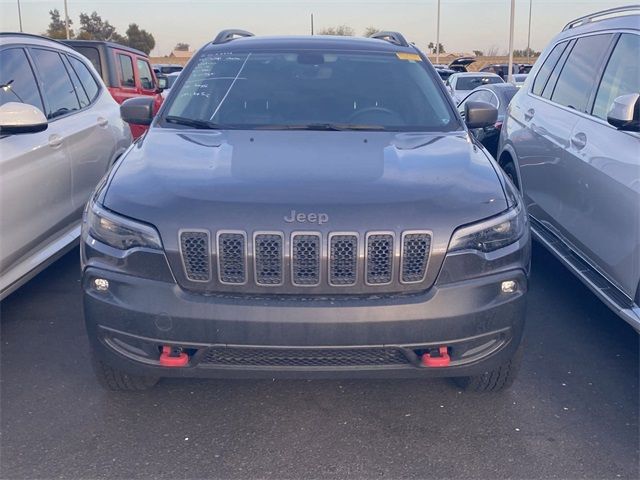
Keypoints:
(194, 247)
(304, 357)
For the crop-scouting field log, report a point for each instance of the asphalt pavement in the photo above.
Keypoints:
(572, 413)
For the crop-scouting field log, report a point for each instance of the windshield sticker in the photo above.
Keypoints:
(409, 56)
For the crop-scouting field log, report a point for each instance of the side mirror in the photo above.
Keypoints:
(16, 117)
(625, 114)
(480, 114)
(162, 83)
(138, 110)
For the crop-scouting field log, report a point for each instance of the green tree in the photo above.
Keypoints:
(57, 28)
(181, 47)
(340, 30)
(140, 39)
(370, 31)
(92, 27)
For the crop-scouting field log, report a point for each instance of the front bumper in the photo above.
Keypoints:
(240, 336)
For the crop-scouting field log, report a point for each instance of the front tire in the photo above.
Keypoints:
(495, 380)
(117, 380)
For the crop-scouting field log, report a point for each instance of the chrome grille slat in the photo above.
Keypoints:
(194, 247)
(379, 263)
(343, 259)
(268, 260)
(232, 257)
(416, 248)
(306, 250)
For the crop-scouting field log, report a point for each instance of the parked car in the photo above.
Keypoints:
(519, 79)
(461, 64)
(460, 85)
(60, 130)
(502, 69)
(571, 142)
(445, 73)
(302, 218)
(165, 68)
(166, 82)
(499, 95)
(126, 72)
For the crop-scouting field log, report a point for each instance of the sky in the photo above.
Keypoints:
(466, 25)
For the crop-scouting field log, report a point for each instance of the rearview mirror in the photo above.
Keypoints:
(137, 110)
(624, 113)
(16, 117)
(480, 114)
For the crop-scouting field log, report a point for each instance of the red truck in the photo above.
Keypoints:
(126, 72)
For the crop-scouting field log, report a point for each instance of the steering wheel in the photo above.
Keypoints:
(368, 110)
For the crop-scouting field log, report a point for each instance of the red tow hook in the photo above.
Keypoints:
(443, 360)
(173, 357)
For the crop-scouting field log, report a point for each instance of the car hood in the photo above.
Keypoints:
(252, 180)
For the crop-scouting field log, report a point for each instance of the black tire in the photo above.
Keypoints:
(510, 170)
(494, 380)
(118, 381)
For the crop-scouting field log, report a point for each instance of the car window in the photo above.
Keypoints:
(17, 81)
(127, 78)
(469, 83)
(92, 54)
(547, 67)
(146, 78)
(547, 92)
(57, 88)
(576, 80)
(77, 86)
(480, 96)
(622, 75)
(294, 88)
(86, 78)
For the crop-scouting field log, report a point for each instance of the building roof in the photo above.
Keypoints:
(181, 54)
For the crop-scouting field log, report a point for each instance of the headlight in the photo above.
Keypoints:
(491, 234)
(118, 232)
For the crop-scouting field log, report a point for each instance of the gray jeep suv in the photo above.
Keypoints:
(571, 140)
(306, 206)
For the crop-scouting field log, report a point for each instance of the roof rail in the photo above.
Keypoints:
(228, 35)
(392, 37)
(594, 16)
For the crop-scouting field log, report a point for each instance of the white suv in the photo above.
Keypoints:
(60, 131)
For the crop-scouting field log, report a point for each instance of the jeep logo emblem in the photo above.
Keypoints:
(300, 217)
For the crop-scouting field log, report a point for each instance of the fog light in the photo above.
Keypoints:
(509, 286)
(101, 284)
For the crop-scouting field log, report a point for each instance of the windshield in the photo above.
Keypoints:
(383, 91)
(469, 83)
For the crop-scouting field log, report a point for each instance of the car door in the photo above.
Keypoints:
(549, 113)
(35, 174)
(91, 143)
(602, 215)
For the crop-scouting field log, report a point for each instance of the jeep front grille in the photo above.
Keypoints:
(306, 250)
(305, 259)
(268, 258)
(379, 258)
(194, 246)
(343, 259)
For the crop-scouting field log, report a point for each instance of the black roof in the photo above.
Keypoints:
(309, 42)
(88, 43)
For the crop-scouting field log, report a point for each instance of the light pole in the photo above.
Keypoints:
(529, 34)
(66, 19)
(20, 16)
(438, 35)
(513, 11)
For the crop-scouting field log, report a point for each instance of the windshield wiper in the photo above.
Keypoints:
(329, 127)
(192, 122)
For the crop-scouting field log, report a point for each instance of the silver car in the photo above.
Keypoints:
(60, 130)
(571, 141)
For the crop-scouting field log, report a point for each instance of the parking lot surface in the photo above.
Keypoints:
(572, 413)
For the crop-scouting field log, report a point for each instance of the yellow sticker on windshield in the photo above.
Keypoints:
(409, 56)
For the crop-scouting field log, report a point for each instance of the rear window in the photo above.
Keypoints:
(469, 83)
(547, 67)
(295, 88)
(92, 54)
